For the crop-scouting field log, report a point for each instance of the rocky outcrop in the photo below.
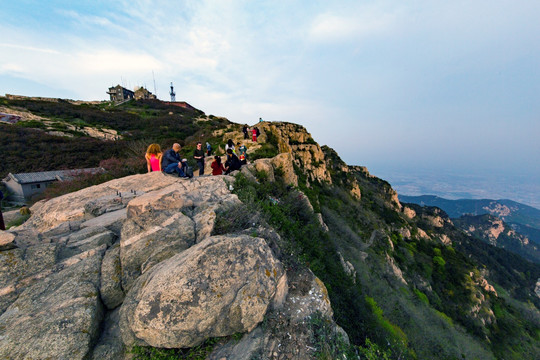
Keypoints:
(134, 261)
(307, 154)
(218, 287)
(56, 318)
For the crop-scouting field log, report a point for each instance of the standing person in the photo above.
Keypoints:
(242, 153)
(153, 157)
(172, 162)
(254, 132)
(245, 131)
(217, 166)
(229, 145)
(198, 155)
(208, 149)
(232, 162)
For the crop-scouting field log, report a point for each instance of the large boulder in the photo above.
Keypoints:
(57, 317)
(218, 287)
(165, 222)
(150, 238)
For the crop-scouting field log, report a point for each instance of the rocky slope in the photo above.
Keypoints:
(133, 261)
(269, 264)
(496, 232)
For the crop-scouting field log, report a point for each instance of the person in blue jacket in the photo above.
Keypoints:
(172, 162)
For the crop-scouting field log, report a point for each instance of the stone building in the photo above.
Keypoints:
(23, 186)
(144, 94)
(119, 93)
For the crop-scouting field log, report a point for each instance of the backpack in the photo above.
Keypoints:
(188, 171)
(257, 132)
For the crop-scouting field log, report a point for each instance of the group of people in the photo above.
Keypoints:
(171, 162)
(255, 132)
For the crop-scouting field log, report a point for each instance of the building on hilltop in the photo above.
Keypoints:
(25, 185)
(119, 94)
(9, 118)
(143, 94)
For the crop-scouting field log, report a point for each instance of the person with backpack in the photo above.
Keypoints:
(232, 163)
(208, 149)
(229, 145)
(172, 163)
(242, 153)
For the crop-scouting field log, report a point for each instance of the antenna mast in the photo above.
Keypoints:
(173, 94)
(155, 92)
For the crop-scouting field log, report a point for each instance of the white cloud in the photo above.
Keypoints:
(28, 48)
(113, 62)
(363, 22)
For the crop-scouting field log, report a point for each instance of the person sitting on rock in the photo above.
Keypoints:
(173, 163)
(242, 153)
(153, 157)
(232, 163)
(217, 166)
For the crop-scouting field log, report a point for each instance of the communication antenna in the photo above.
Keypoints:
(173, 94)
(155, 91)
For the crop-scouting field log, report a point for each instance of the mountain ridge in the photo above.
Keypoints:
(364, 273)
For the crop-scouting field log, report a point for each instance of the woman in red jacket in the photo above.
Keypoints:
(217, 166)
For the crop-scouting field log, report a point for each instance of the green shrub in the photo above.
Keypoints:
(423, 298)
(439, 261)
(18, 221)
(199, 352)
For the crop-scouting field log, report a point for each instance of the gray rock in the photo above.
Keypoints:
(110, 220)
(218, 287)
(150, 238)
(109, 345)
(7, 240)
(249, 347)
(56, 318)
(71, 207)
(205, 220)
(78, 246)
(20, 268)
(111, 278)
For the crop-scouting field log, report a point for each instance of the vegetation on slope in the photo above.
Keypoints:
(27, 148)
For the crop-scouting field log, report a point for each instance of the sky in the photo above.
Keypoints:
(391, 85)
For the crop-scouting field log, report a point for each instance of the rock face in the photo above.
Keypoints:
(56, 318)
(306, 153)
(218, 287)
(133, 261)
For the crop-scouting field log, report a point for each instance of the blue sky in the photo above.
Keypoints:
(388, 84)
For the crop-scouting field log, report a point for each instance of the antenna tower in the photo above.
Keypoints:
(173, 94)
(154, 78)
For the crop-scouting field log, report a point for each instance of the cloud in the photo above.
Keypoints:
(113, 62)
(29, 48)
(329, 27)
